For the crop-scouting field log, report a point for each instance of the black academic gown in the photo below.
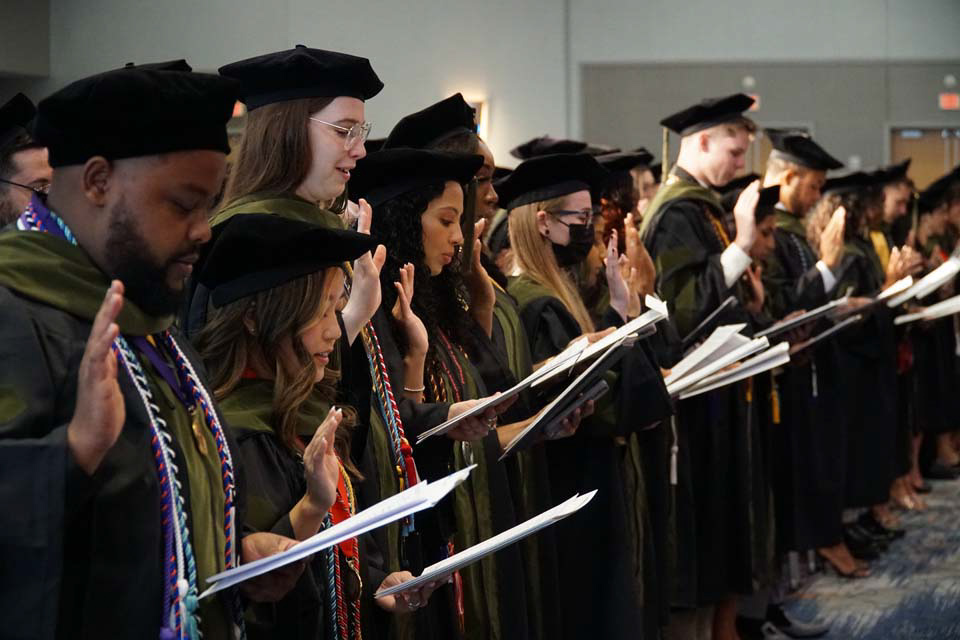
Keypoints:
(598, 580)
(714, 522)
(810, 448)
(80, 556)
(868, 362)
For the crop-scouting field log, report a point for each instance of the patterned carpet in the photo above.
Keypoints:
(914, 590)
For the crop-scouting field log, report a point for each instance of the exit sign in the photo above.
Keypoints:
(950, 101)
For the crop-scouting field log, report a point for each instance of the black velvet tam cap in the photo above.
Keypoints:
(551, 176)
(799, 148)
(390, 173)
(854, 181)
(769, 197)
(433, 124)
(256, 252)
(739, 183)
(545, 145)
(133, 112)
(933, 196)
(166, 65)
(373, 145)
(625, 160)
(15, 116)
(893, 172)
(708, 113)
(303, 72)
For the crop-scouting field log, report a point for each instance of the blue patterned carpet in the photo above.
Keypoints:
(914, 590)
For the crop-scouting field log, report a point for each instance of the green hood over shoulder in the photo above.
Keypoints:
(288, 206)
(52, 271)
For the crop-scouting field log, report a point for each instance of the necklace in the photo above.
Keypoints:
(180, 599)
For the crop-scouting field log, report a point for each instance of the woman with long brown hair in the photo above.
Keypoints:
(551, 231)
(276, 286)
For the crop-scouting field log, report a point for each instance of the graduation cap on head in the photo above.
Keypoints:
(798, 147)
(303, 72)
(390, 173)
(738, 184)
(600, 149)
(892, 173)
(15, 116)
(849, 183)
(372, 145)
(136, 111)
(934, 195)
(545, 145)
(657, 170)
(259, 251)
(167, 65)
(429, 126)
(766, 204)
(552, 176)
(625, 160)
(708, 113)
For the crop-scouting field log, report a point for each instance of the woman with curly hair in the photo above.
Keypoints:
(417, 197)
(276, 286)
(867, 356)
(503, 358)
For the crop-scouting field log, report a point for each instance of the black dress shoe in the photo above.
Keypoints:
(794, 628)
(860, 548)
(862, 534)
(923, 488)
(940, 471)
(876, 528)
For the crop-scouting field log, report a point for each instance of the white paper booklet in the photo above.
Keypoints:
(947, 307)
(772, 358)
(420, 496)
(446, 567)
(723, 340)
(929, 283)
(576, 352)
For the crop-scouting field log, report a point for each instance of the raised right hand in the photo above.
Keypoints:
(417, 339)
(321, 466)
(744, 213)
(831, 239)
(100, 412)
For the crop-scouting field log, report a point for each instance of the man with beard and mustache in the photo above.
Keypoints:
(117, 483)
(24, 169)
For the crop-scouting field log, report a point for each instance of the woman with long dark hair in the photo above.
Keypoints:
(276, 286)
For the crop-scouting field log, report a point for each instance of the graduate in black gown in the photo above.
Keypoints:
(418, 200)
(810, 462)
(503, 358)
(276, 285)
(24, 169)
(548, 199)
(122, 487)
(698, 267)
(867, 351)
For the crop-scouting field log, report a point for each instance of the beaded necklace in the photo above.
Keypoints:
(180, 602)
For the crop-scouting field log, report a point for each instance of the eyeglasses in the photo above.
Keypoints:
(351, 135)
(43, 187)
(561, 213)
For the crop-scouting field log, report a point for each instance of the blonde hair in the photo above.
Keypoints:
(533, 255)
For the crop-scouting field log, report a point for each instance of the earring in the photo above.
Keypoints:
(546, 232)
